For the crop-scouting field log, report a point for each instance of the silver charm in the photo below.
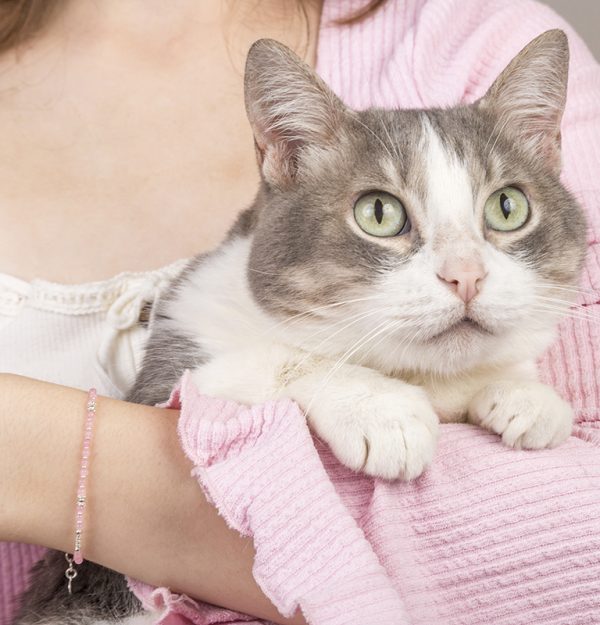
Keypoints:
(70, 573)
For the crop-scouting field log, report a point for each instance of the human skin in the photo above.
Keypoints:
(125, 120)
(120, 122)
(146, 516)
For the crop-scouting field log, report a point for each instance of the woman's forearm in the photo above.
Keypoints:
(146, 516)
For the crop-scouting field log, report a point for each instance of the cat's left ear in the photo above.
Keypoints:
(289, 107)
(529, 96)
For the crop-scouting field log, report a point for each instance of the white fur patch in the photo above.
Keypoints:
(216, 305)
(449, 189)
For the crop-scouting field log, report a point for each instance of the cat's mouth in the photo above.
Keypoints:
(464, 326)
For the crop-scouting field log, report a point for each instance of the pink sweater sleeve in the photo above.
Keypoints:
(487, 535)
(260, 468)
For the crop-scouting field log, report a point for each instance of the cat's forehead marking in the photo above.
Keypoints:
(449, 198)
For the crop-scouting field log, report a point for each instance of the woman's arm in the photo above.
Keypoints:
(146, 515)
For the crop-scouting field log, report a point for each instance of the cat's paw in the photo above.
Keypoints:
(388, 435)
(527, 415)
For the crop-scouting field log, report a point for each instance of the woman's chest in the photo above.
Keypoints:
(94, 205)
(109, 166)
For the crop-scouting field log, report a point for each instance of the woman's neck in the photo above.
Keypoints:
(123, 121)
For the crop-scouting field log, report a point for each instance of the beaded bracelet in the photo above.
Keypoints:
(77, 557)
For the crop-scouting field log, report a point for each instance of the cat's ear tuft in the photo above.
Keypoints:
(529, 96)
(288, 106)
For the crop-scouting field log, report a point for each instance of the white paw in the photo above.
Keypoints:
(528, 415)
(388, 435)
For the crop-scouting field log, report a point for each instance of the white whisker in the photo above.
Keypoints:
(385, 147)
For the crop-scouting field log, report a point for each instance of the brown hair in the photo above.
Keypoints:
(21, 19)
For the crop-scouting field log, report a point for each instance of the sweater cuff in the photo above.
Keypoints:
(259, 467)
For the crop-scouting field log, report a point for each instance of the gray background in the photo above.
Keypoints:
(584, 16)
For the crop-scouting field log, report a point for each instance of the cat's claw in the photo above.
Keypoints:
(388, 436)
(527, 415)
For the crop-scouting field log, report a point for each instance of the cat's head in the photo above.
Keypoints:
(434, 240)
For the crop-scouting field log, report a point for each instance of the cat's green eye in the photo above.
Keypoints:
(506, 209)
(380, 214)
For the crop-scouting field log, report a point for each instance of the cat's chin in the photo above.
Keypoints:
(461, 346)
(463, 343)
(465, 328)
(468, 345)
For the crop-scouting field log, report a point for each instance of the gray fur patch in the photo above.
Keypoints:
(98, 594)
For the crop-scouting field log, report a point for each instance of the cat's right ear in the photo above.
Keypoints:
(289, 107)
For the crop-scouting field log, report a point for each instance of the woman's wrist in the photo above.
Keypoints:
(145, 517)
(41, 429)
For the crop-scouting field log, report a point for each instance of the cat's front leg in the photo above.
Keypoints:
(526, 413)
(382, 426)
(250, 375)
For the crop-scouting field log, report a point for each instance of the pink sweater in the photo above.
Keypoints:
(488, 534)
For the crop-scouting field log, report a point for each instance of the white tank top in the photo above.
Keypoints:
(81, 335)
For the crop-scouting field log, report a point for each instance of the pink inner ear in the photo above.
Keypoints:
(274, 152)
(531, 93)
(543, 139)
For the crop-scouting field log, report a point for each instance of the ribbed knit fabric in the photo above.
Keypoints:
(309, 550)
(488, 535)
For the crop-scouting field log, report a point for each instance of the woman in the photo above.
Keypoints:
(112, 105)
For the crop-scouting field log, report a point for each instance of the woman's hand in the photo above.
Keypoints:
(146, 516)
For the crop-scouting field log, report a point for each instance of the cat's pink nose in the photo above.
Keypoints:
(464, 277)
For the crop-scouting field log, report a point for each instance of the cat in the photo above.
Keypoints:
(392, 272)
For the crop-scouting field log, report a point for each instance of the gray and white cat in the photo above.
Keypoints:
(397, 268)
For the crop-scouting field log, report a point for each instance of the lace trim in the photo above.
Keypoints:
(80, 299)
